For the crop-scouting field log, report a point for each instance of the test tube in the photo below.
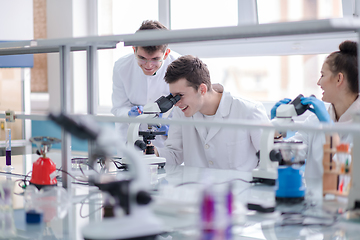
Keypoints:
(8, 146)
(8, 167)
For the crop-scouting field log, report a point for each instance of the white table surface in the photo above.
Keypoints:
(176, 192)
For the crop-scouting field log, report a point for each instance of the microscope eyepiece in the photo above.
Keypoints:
(166, 103)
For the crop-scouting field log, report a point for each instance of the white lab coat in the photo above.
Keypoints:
(314, 141)
(131, 87)
(224, 148)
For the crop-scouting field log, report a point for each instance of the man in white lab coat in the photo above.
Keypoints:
(211, 147)
(139, 79)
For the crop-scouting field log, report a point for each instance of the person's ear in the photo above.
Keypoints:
(340, 78)
(134, 48)
(203, 89)
(167, 52)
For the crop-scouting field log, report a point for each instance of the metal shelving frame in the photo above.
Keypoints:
(155, 37)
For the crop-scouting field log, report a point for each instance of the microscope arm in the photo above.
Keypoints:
(150, 110)
(133, 130)
(267, 172)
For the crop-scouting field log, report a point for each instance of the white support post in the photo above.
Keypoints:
(348, 7)
(164, 13)
(354, 194)
(247, 12)
(65, 93)
(26, 108)
(92, 83)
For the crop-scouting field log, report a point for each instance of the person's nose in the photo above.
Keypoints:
(318, 82)
(178, 103)
(148, 64)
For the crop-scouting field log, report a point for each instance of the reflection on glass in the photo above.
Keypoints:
(270, 11)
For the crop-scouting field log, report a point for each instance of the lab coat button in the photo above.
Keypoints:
(206, 146)
(211, 162)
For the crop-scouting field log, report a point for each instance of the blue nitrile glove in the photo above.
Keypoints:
(318, 108)
(273, 109)
(163, 127)
(135, 111)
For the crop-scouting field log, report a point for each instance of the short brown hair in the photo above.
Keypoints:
(150, 25)
(191, 68)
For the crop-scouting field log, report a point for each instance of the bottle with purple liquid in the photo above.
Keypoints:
(8, 167)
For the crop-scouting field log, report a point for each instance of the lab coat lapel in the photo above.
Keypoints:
(222, 112)
(200, 129)
(213, 130)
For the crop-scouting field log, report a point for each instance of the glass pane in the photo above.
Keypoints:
(122, 17)
(268, 78)
(297, 10)
(187, 14)
(119, 17)
(11, 98)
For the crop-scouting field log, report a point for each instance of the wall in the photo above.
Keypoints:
(67, 19)
(16, 17)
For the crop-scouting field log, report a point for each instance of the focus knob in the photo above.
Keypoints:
(143, 198)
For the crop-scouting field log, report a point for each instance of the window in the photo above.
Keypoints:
(297, 10)
(268, 78)
(186, 14)
(118, 17)
(262, 76)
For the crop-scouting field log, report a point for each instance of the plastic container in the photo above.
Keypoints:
(343, 158)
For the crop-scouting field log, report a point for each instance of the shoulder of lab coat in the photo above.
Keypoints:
(348, 114)
(125, 69)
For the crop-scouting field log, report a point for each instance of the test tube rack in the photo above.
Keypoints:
(334, 175)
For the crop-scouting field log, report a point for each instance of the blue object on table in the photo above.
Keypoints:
(289, 185)
(33, 216)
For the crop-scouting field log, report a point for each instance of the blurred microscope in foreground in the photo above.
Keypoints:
(130, 217)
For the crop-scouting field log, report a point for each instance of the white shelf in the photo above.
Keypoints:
(49, 46)
(346, 26)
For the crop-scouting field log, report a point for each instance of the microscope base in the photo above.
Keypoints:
(265, 181)
(265, 176)
(291, 200)
(149, 159)
(138, 225)
(152, 159)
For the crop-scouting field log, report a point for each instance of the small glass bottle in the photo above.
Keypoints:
(8, 146)
(343, 158)
(8, 167)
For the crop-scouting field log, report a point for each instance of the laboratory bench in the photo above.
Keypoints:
(177, 192)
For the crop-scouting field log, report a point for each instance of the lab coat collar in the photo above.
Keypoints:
(348, 115)
(222, 112)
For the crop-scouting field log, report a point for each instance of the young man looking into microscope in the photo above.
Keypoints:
(211, 147)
